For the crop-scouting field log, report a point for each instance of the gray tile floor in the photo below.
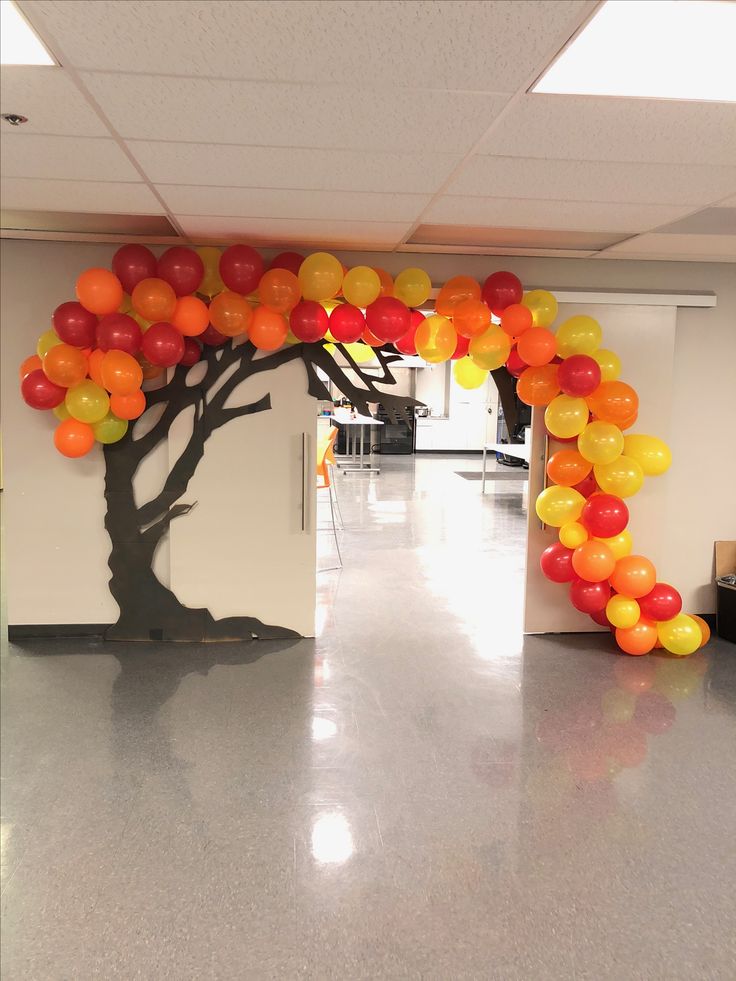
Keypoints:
(419, 793)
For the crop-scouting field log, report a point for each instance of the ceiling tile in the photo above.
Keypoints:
(727, 203)
(65, 158)
(573, 180)
(21, 194)
(292, 167)
(50, 100)
(278, 114)
(718, 248)
(710, 221)
(518, 238)
(286, 231)
(638, 130)
(459, 44)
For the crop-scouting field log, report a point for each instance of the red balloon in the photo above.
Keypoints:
(241, 268)
(347, 323)
(388, 319)
(163, 345)
(500, 290)
(654, 713)
(662, 603)
(309, 321)
(288, 260)
(181, 268)
(119, 332)
(192, 352)
(75, 325)
(407, 343)
(133, 263)
(461, 348)
(212, 337)
(39, 392)
(556, 563)
(515, 364)
(604, 515)
(589, 597)
(579, 375)
(587, 485)
(599, 616)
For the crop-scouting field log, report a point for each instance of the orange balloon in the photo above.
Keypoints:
(128, 406)
(471, 317)
(268, 328)
(593, 561)
(387, 283)
(537, 346)
(454, 291)
(516, 318)
(628, 422)
(94, 366)
(704, 628)
(73, 438)
(539, 385)
(154, 300)
(639, 639)
(634, 576)
(121, 373)
(65, 365)
(231, 314)
(613, 401)
(279, 290)
(370, 338)
(191, 316)
(99, 291)
(149, 370)
(33, 363)
(568, 467)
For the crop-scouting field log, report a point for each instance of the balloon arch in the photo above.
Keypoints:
(129, 324)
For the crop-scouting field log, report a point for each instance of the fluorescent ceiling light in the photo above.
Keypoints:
(654, 49)
(19, 43)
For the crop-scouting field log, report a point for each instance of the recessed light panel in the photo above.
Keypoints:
(19, 44)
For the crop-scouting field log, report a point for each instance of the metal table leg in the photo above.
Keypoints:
(483, 479)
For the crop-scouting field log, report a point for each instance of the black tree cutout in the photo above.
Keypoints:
(148, 610)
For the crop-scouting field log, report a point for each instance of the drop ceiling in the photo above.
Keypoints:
(382, 125)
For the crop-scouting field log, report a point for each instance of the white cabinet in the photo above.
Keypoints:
(461, 419)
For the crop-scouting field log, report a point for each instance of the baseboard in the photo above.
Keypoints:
(18, 631)
(448, 452)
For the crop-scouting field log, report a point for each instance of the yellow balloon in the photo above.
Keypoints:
(558, 506)
(46, 341)
(623, 477)
(543, 306)
(680, 636)
(467, 373)
(578, 335)
(320, 276)
(601, 442)
(622, 611)
(110, 429)
(651, 453)
(412, 286)
(87, 402)
(211, 282)
(61, 412)
(435, 339)
(618, 706)
(125, 305)
(328, 306)
(609, 363)
(491, 349)
(143, 324)
(359, 352)
(361, 286)
(573, 534)
(331, 349)
(566, 416)
(620, 545)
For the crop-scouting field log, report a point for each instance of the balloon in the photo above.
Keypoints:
(361, 286)
(704, 628)
(453, 293)
(291, 261)
(121, 375)
(516, 365)
(565, 416)
(119, 332)
(589, 597)
(461, 348)
(99, 291)
(387, 283)
(605, 516)
(412, 286)
(556, 563)
(181, 268)
(436, 339)
(212, 337)
(608, 362)
(618, 706)
(620, 544)
(267, 330)
(622, 611)
(587, 486)
(230, 314)
(309, 321)
(500, 290)
(652, 454)
(110, 429)
(74, 325)
(163, 345)
(634, 576)
(628, 422)
(320, 276)
(578, 335)
(360, 353)
(65, 365)
(28, 365)
(538, 385)
(471, 317)
(623, 477)
(191, 316)
(490, 349)
(536, 346)
(241, 268)
(149, 370)
(192, 353)
(407, 343)
(681, 635)
(593, 561)
(279, 290)
(128, 406)
(371, 339)
(73, 438)
(613, 401)
(567, 467)
(556, 506)
(87, 402)
(639, 639)
(131, 264)
(388, 319)
(543, 307)
(211, 280)
(579, 375)
(46, 341)
(94, 366)
(573, 534)
(39, 392)
(663, 602)
(467, 373)
(154, 300)
(61, 412)
(515, 319)
(654, 713)
(601, 442)
(599, 617)
(346, 323)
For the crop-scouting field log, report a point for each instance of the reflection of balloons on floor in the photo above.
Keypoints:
(654, 713)
(618, 705)
(626, 744)
(634, 676)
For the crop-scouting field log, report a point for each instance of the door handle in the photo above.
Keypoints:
(305, 475)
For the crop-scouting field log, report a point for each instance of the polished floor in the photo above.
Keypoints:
(418, 793)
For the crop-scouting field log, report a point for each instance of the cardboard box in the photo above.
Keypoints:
(725, 590)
